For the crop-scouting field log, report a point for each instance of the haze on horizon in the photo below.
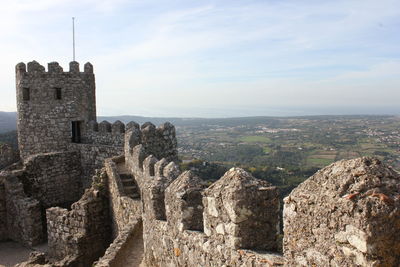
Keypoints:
(223, 58)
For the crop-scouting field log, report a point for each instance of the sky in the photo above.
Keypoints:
(225, 58)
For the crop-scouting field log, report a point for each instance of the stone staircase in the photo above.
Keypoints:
(129, 185)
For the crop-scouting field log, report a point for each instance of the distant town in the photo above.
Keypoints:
(282, 150)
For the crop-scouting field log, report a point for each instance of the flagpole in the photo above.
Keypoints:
(73, 38)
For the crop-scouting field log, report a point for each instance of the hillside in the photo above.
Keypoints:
(8, 121)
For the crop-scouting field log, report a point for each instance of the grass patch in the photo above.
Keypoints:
(321, 154)
(255, 139)
(267, 149)
(318, 162)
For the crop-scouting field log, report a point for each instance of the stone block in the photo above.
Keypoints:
(242, 211)
(183, 201)
(347, 214)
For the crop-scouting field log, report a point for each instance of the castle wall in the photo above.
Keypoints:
(185, 224)
(104, 133)
(157, 141)
(176, 240)
(225, 240)
(45, 180)
(124, 210)
(127, 248)
(3, 213)
(347, 214)
(44, 122)
(53, 178)
(92, 157)
(24, 214)
(8, 155)
(82, 234)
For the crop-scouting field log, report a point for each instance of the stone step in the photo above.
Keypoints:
(124, 176)
(136, 195)
(132, 193)
(128, 183)
(130, 188)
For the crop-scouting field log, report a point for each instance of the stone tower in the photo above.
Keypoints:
(53, 106)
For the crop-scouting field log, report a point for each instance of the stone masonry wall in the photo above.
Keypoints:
(126, 249)
(175, 214)
(123, 208)
(157, 141)
(104, 133)
(48, 102)
(83, 233)
(24, 214)
(8, 155)
(3, 212)
(347, 214)
(228, 226)
(45, 180)
(53, 178)
(92, 157)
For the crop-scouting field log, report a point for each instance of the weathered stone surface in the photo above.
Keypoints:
(45, 180)
(3, 212)
(92, 157)
(44, 120)
(53, 178)
(180, 241)
(242, 211)
(124, 210)
(347, 214)
(23, 213)
(184, 207)
(8, 155)
(125, 249)
(83, 233)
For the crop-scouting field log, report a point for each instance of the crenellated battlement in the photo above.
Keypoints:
(231, 219)
(33, 67)
(155, 140)
(53, 105)
(347, 214)
(104, 133)
(181, 206)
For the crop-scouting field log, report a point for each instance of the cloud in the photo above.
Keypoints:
(212, 53)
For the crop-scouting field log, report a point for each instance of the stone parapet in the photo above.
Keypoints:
(104, 133)
(24, 220)
(8, 155)
(83, 232)
(123, 208)
(123, 247)
(347, 214)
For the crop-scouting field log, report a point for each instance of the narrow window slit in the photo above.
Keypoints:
(57, 93)
(26, 94)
